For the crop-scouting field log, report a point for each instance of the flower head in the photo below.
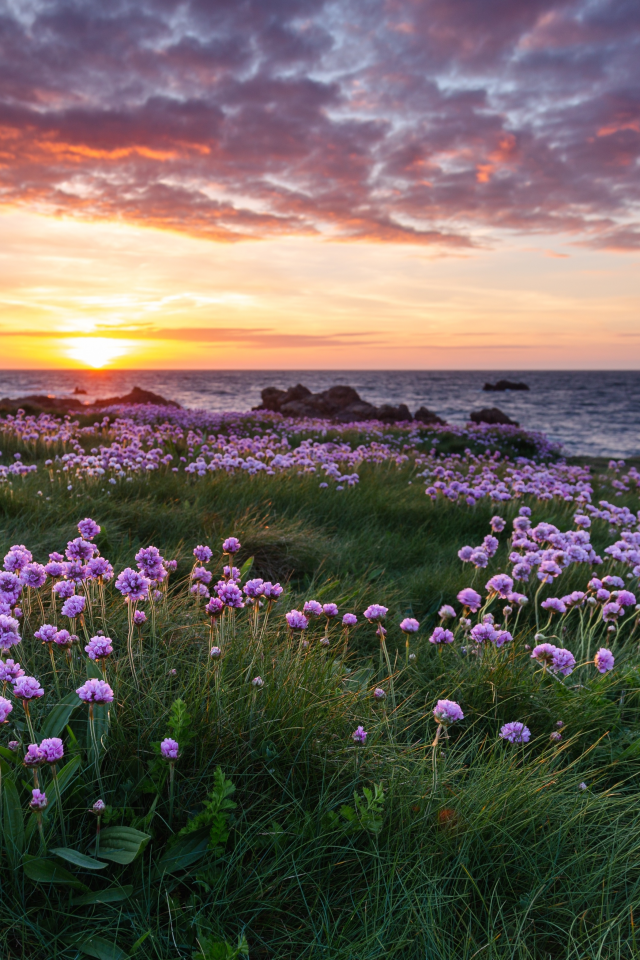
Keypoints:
(38, 800)
(257, 682)
(379, 693)
(99, 807)
(88, 528)
(359, 735)
(46, 633)
(65, 589)
(515, 732)
(34, 756)
(555, 736)
(10, 587)
(231, 545)
(312, 608)
(271, 591)
(497, 524)
(169, 749)
(469, 598)
(95, 691)
(349, 620)
(73, 607)
(448, 711)
(230, 594)
(500, 585)
(296, 620)
(409, 625)
(64, 639)
(330, 609)
(52, 749)
(440, 635)
(604, 660)
(139, 617)
(98, 648)
(203, 553)
(376, 612)
(33, 575)
(215, 653)
(253, 588)
(80, 549)
(554, 604)
(27, 688)
(9, 628)
(446, 612)
(5, 709)
(132, 584)
(215, 607)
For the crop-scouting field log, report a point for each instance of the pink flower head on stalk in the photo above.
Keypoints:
(199, 589)
(52, 750)
(376, 612)
(231, 545)
(469, 598)
(171, 565)
(497, 524)
(215, 607)
(479, 558)
(95, 691)
(544, 653)
(272, 591)
(151, 563)
(80, 549)
(132, 585)
(98, 648)
(554, 604)
(17, 558)
(409, 625)
(202, 553)
(64, 589)
(10, 671)
(555, 737)
(38, 800)
(216, 653)
(625, 598)
(604, 660)
(515, 732)
(349, 620)
(613, 581)
(34, 757)
(202, 575)
(9, 635)
(296, 620)
(465, 554)
(10, 587)
(446, 612)
(379, 694)
(611, 612)
(581, 521)
(46, 633)
(563, 662)
(5, 709)
(502, 637)
(312, 608)
(448, 711)
(518, 598)
(88, 528)
(359, 736)
(13, 746)
(99, 807)
(230, 594)
(501, 585)
(76, 571)
(64, 639)
(232, 573)
(169, 749)
(55, 568)
(440, 635)
(139, 617)
(257, 682)
(27, 688)
(521, 571)
(253, 588)
(99, 567)
(73, 607)
(490, 545)
(484, 633)
(330, 609)
(33, 575)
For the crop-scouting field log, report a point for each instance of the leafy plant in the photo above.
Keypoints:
(215, 813)
(220, 949)
(368, 810)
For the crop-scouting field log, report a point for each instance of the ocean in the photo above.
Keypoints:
(594, 413)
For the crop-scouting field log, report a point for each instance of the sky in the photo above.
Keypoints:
(361, 184)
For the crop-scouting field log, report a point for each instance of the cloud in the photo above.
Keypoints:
(434, 122)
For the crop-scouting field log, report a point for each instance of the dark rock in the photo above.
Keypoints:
(137, 395)
(393, 414)
(341, 403)
(359, 410)
(78, 390)
(506, 385)
(492, 415)
(427, 416)
(38, 402)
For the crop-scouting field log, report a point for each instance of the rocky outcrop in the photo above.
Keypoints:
(137, 395)
(42, 403)
(506, 385)
(341, 404)
(492, 415)
(428, 416)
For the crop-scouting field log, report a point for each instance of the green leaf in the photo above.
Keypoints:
(48, 871)
(108, 895)
(59, 715)
(139, 941)
(216, 812)
(101, 949)
(78, 859)
(65, 778)
(9, 755)
(122, 844)
(184, 853)
(12, 822)
(246, 568)
(359, 680)
(93, 671)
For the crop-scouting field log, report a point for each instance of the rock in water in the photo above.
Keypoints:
(427, 416)
(137, 395)
(492, 415)
(506, 385)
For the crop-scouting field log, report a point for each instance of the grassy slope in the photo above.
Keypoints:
(506, 858)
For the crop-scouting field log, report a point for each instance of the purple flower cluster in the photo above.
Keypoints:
(132, 584)
(515, 732)
(95, 691)
(447, 712)
(99, 648)
(558, 659)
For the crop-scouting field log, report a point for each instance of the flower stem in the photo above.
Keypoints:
(56, 788)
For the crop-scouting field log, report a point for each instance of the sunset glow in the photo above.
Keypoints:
(96, 352)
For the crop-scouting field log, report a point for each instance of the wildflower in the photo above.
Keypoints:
(544, 652)
(216, 653)
(515, 732)
(409, 625)
(13, 746)
(469, 598)
(95, 691)
(52, 750)
(479, 558)
(272, 591)
(604, 660)
(73, 607)
(215, 607)
(556, 736)
(484, 633)
(330, 609)
(5, 709)
(33, 575)
(232, 573)
(376, 612)
(9, 635)
(497, 524)
(560, 724)
(447, 711)
(582, 786)
(465, 554)
(55, 568)
(382, 632)
(313, 608)
(229, 593)
(34, 757)
(625, 598)
(10, 587)
(169, 749)
(440, 635)
(171, 565)
(231, 545)
(563, 662)
(27, 688)
(554, 604)
(46, 633)
(521, 571)
(99, 807)
(296, 620)
(253, 588)
(500, 585)
(203, 553)
(257, 682)
(151, 564)
(38, 800)
(359, 735)
(349, 620)
(64, 639)
(139, 617)
(17, 558)
(98, 648)
(64, 589)
(379, 694)
(88, 528)
(132, 584)
(412, 656)
(446, 612)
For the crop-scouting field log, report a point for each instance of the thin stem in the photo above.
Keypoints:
(25, 705)
(94, 743)
(53, 667)
(56, 788)
(171, 790)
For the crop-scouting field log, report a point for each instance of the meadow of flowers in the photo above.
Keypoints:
(279, 689)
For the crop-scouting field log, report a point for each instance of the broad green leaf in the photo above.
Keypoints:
(108, 895)
(78, 859)
(93, 671)
(139, 942)
(246, 568)
(65, 777)
(122, 844)
(48, 871)
(101, 949)
(12, 822)
(9, 755)
(359, 680)
(59, 715)
(184, 853)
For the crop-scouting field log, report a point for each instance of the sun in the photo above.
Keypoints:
(96, 352)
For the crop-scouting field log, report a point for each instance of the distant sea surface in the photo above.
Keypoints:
(595, 413)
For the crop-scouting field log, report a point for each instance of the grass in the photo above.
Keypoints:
(505, 857)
